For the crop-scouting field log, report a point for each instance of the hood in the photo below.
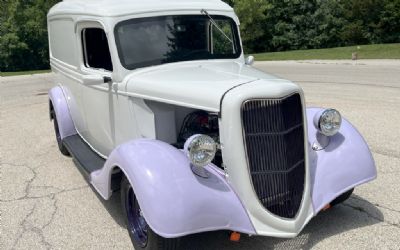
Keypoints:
(192, 84)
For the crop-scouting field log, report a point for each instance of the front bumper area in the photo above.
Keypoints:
(346, 163)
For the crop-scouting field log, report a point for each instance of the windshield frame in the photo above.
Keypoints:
(235, 39)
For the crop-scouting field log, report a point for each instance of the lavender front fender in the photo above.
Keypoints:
(345, 163)
(174, 201)
(59, 104)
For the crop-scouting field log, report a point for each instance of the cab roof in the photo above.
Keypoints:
(112, 8)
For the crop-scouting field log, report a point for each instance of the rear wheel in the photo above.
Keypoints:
(61, 145)
(141, 235)
(342, 197)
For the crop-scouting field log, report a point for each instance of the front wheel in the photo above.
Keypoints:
(342, 197)
(141, 235)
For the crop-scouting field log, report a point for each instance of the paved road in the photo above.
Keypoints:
(46, 204)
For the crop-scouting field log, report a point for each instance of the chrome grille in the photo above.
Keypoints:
(274, 137)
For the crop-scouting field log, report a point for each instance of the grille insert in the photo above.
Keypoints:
(274, 137)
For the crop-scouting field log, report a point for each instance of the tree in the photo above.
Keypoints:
(328, 21)
(362, 21)
(252, 20)
(389, 22)
(290, 24)
(23, 34)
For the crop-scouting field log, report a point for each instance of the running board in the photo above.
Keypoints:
(85, 158)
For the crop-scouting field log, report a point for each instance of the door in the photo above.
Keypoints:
(97, 98)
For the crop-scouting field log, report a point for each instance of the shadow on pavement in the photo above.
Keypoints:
(113, 206)
(354, 213)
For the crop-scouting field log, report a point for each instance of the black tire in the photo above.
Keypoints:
(342, 197)
(152, 240)
(60, 144)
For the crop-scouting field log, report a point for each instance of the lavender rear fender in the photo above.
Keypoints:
(60, 107)
(174, 201)
(345, 163)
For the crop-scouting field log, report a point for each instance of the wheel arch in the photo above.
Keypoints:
(174, 201)
(58, 107)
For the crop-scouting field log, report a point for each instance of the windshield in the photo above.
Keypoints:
(150, 41)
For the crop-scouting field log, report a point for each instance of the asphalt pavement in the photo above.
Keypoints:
(45, 202)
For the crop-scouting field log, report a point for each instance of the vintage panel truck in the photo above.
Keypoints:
(156, 99)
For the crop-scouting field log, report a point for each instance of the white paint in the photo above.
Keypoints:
(152, 102)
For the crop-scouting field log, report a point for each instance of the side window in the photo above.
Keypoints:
(222, 44)
(96, 53)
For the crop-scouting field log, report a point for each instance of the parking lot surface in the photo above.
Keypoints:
(45, 202)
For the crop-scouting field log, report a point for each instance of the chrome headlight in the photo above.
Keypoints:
(201, 149)
(328, 122)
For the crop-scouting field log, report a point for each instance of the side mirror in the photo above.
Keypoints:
(249, 60)
(95, 79)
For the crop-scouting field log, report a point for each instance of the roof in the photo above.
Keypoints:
(127, 7)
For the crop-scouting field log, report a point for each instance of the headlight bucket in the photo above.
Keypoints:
(328, 122)
(200, 149)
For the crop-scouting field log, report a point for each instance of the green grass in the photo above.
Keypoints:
(18, 73)
(376, 51)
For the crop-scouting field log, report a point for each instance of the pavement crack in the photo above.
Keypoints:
(29, 182)
(385, 152)
(387, 208)
(43, 240)
(28, 186)
(38, 230)
(47, 187)
(53, 214)
(362, 210)
(378, 205)
(46, 195)
(24, 226)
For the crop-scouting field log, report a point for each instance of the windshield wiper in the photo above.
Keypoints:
(203, 11)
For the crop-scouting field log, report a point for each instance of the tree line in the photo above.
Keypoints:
(266, 25)
(23, 34)
(279, 25)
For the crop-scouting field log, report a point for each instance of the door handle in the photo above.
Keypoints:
(107, 79)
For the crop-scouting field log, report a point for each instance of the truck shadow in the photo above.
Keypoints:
(352, 214)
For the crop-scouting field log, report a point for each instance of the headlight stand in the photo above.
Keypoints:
(321, 143)
(200, 171)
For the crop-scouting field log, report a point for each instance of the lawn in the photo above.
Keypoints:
(31, 72)
(376, 51)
